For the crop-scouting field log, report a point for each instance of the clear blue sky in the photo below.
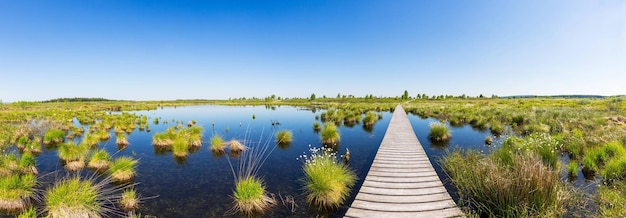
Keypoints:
(152, 49)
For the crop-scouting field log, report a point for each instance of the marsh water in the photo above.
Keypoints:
(202, 184)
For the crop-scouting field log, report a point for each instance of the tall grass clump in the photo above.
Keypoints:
(73, 198)
(439, 132)
(99, 160)
(53, 136)
(73, 155)
(317, 126)
(15, 191)
(180, 148)
(527, 188)
(195, 135)
(330, 134)
(250, 196)
(217, 143)
(121, 139)
(162, 139)
(129, 200)
(122, 169)
(284, 137)
(236, 147)
(370, 118)
(328, 180)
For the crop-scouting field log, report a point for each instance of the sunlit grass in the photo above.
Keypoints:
(328, 180)
(122, 169)
(284, 137)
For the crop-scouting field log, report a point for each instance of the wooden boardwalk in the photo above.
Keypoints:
(401, 181)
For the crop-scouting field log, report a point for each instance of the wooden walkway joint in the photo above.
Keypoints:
(401, 181)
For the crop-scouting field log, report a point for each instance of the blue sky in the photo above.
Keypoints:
(153, 50)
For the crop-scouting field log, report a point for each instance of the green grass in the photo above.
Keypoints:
(370, 118)
(129, 200)
(488, 140)
(615, 170)
(180, 148)
(122, 169)
(572, 168)
(73, 198)
(162, 139)
(99, 160)
(330, 134)
(439, 132)
(53, 136)
(72, 152)
(327, 181)
(496, 190)
(217, 143)
(317, 126)
(284, 137)
(31, 212)
(15, 190)
(121, 139)
(611, 201)
(250, 197)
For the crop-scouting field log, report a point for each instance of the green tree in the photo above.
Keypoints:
(312, 96)
(405, 95)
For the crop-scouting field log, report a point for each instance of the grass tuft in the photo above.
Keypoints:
(123, 169)
(330, 134)
(328, 180)
(439, 132)
(217, 143)
(284, 137)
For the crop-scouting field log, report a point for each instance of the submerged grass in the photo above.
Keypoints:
(328, 180)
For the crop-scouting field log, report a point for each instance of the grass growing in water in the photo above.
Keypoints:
(100, 160)
(495, 188)
(15, 190)
(180, 148)
(284, 137)
(73, 155)
(123, 169)
(328, 180)
(121, 139)
(74, 198)
(129, 200)
(217, 143)
(250, 197)
(439, 132)
(330, 134)
(53, 136)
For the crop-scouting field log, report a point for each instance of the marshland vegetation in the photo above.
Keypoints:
(587, 132)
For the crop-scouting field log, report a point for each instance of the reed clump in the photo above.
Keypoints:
(526, 188)
(330, 134)
(328, 180)
(99, 160)
(122, 169)
(53, 136)
(180, 148)
(370, 118)
(73, 155)
(121, 139)
(284, 137)
(439, 132)
(73, 198)
(217, 143)
(129, 200)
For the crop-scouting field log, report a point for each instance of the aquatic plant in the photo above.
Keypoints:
(250, 196)
(129, 200)
(53, 136)
(180, 147)
(122, 169)
(317, 126)
(439, 132)
(284, 137)
(121, 139)
(99, 160)
(370, 118)
(488, 140)
(217, 143)
(328, 180)
(162, 139)
(33, 147)
(91, 140)
(31, 212)
(572, 168)
(15, 191)
(195, 135)
(236, 146)
(73, 155)
(494, 189)
(330, 134)
(73, 198)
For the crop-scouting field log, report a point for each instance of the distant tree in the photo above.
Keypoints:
(405, 95)
(481, 96)
(324, 96)
(338, 95)
(312, 97)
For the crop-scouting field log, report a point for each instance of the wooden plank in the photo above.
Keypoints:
(401, 181)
